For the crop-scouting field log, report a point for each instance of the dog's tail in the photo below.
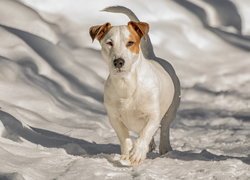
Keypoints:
(146, 45)
(121, 9)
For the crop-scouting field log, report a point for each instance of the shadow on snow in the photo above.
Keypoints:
(51, 139)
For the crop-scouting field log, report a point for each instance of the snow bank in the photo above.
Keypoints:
(52, 121)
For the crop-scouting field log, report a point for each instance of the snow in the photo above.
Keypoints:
(53, 124)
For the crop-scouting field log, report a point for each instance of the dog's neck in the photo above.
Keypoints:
(125, 85)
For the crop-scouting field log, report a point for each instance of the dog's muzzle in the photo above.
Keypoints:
(118, 63)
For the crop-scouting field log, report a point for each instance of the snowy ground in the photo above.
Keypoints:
(53, 123)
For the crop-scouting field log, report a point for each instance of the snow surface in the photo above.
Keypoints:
(52, 121)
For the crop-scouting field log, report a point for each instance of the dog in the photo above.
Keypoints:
(142, 91)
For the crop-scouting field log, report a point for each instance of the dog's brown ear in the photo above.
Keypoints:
(99, 31)
(141, 28)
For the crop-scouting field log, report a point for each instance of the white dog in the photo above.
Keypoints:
(140, 94)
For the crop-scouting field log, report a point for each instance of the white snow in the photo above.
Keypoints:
(53, 123)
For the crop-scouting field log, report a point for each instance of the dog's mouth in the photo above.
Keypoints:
(119, 72)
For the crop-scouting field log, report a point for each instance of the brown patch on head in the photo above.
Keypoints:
(137, 31)
(99, 31)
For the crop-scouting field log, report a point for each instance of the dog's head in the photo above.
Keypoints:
(120, 44)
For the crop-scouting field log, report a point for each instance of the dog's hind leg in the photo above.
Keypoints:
(165, 145)
(152, 145)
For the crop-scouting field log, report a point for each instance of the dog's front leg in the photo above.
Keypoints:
(122, 132)
(141, 145)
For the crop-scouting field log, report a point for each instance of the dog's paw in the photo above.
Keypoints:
(119, 162)
(124, 157)
(138, 152)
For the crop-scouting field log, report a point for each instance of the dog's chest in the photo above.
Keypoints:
(133, 113)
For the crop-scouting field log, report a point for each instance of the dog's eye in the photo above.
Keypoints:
(130, 43)
(109, 43)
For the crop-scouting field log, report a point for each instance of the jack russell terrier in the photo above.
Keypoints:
(142, 91)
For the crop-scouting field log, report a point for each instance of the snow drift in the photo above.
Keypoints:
(52, 121)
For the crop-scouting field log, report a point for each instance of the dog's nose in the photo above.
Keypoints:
(118, 63)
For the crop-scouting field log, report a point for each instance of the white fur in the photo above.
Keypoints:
(136, 98)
